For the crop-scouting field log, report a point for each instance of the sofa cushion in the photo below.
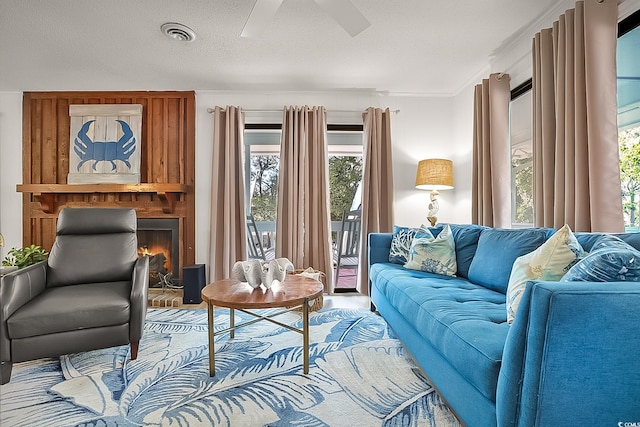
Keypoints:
(610, 260)
(464, 321)
(550, 261)
(466, 242)
(95, 305)
(401, 242)
(496, 253)
(433, 254)
(587, 240)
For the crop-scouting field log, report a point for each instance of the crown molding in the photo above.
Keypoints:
(627, 7)
(475, 79)
(510, 56)
(392, 94)
(512, 45)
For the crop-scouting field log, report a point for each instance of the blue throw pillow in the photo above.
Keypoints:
(588, 239)
(610, 260)
(401, 242)
(610, 241)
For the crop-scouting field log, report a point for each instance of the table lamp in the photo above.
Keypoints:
(434, 175)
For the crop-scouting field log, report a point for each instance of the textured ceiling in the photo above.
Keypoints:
(412, 46)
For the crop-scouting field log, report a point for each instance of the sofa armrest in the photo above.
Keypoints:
(139, 298)
(379, 247)
(571, 355)
(17, 289)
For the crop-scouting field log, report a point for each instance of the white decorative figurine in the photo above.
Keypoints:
(256, 272)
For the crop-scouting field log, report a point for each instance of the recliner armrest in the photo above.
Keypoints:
(17, 289)
(139, 299)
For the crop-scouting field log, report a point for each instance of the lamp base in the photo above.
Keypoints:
(434, 207)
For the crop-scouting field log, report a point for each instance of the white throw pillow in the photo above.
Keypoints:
(434, 254)
(549, 262)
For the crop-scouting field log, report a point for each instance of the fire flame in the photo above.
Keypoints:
(161, 263)
(144, 251)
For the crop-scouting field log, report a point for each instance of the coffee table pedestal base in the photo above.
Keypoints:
(232, 327)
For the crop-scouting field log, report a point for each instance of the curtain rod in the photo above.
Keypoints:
(248, 110)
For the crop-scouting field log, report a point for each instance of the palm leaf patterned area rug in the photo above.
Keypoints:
(360, 375)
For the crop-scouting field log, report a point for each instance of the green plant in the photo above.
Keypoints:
(24, 256)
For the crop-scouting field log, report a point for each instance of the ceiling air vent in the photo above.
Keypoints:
(178, 32)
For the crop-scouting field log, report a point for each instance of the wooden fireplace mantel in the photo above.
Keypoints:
(45, 193)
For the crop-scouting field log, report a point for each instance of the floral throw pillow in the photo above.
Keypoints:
(401, 242)
(434, 254)
(610, 260)
(550, 261)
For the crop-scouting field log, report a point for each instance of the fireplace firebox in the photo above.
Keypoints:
(158, 238)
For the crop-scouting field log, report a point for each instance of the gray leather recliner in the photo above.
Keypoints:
(91, 293)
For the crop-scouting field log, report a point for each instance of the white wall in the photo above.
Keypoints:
(425, 128)
(462, 146)
(422, 129)
(10, 169)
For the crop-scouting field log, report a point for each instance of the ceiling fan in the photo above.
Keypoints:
(343, 11)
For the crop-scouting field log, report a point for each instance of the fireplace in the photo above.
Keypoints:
(159, 239)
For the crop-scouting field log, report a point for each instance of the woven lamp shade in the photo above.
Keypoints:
(434, 174)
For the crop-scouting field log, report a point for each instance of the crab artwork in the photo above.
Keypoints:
(108, 151)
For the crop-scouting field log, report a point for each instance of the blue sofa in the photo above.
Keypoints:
(571, 357)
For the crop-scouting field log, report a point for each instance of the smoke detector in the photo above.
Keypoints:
(178, 32)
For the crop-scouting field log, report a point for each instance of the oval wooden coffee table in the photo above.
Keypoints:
(295, 292)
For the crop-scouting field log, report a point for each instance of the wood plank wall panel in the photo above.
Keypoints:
(168, 156)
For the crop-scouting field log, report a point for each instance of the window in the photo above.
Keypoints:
(521, 115)
(345, 171)
(628, 67)
(262, 166)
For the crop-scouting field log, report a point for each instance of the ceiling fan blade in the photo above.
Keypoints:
(346, 14)
(261, 14)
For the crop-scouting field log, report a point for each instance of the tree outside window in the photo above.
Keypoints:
(521, 160)
(264, 186)
(345, 173)
(629, 141)
(522, 170)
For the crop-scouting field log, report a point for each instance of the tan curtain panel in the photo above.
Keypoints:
(491, 175)
(575, 143)
(377, 184)
(228, 238)
(303, 227)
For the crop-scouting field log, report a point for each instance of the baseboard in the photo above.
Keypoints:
(344, 290)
